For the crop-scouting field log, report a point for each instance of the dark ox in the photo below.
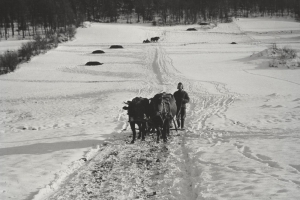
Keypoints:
(137, 112)
(154, 39)
(162, 110)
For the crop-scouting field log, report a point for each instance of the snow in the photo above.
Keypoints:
(11, 45)
(268, 24)
(64, 134)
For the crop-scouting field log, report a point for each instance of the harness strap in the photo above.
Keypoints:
(165, 111)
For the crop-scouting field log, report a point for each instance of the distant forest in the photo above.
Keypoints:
(22, 15)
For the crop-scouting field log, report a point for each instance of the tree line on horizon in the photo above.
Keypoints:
(29, 16)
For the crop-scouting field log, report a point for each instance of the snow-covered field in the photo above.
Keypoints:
(59, 117)
(11, 45)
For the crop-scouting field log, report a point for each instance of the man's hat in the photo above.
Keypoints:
(180, 84)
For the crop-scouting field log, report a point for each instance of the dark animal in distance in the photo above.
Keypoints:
(93, 63)
(137, 113)
(146, 41)
(162, 110)
(116, 47)
(154, 39)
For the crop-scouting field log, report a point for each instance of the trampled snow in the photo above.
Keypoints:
(64, 134)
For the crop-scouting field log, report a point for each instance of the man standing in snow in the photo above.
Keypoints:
(182, 98)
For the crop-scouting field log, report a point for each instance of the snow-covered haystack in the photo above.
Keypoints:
(90, 63)
(98, 52)
(116, 47)
(191, 29)
(280, 57)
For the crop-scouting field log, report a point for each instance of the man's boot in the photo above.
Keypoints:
(182, 123)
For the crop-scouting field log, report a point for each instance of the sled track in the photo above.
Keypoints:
(145, 170)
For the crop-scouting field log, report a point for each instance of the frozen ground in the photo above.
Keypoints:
(10, 45)
(60, 117)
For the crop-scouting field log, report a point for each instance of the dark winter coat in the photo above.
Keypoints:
(182, 98)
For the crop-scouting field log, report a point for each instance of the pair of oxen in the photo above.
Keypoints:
(153, 39)
(157, 112)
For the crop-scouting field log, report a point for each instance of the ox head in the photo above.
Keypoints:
(137, 108)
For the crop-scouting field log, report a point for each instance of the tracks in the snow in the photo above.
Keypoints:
(120, 171)
(147, 170)
(181, 179)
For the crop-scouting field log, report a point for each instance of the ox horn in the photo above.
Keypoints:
(126, 102)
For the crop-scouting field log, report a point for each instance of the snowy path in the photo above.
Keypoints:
(125, 171)
(199, 163)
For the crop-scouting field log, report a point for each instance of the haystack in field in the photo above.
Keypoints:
(116, 47)
(98, 52)
(90, 63)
